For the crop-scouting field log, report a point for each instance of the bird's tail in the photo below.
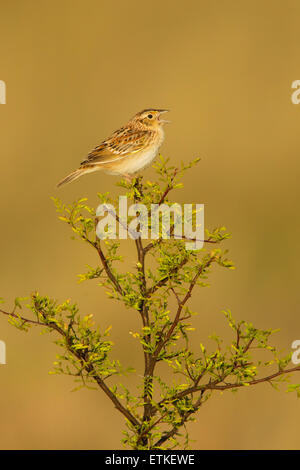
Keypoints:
(72, 176)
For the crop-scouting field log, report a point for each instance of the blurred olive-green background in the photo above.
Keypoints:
(77, 70)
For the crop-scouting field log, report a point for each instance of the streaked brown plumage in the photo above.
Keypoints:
(129, 149)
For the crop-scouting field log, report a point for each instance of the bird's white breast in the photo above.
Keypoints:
(138, 161)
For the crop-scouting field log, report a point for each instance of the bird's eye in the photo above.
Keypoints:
(150, 116)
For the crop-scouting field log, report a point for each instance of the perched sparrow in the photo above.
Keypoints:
(128, 150)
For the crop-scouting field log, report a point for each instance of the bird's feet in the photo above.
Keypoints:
(128, 178)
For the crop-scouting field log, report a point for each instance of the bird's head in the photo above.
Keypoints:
(150, 118)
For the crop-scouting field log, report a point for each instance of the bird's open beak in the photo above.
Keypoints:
(162, 111)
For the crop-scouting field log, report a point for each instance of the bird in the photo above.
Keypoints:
(128, 150)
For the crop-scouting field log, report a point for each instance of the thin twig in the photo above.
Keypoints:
(88, 367)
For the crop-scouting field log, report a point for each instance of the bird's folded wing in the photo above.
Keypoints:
(122, 144)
